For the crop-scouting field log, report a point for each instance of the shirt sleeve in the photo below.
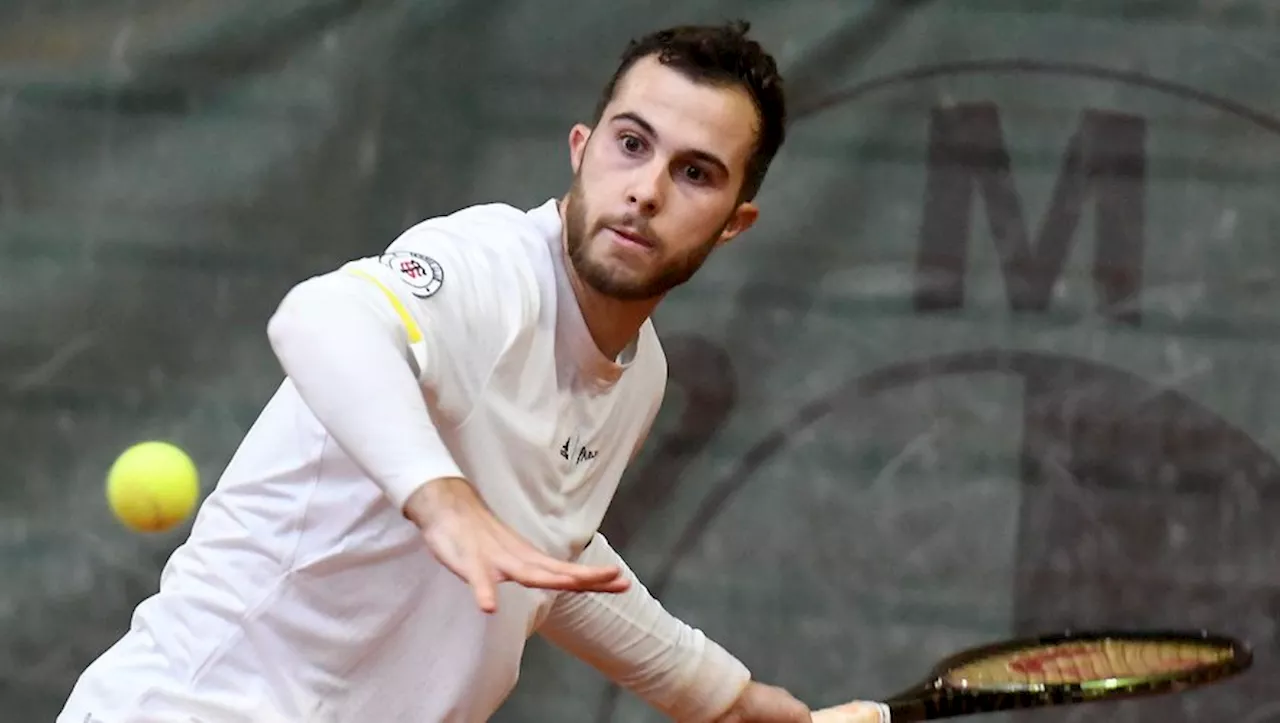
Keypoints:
(387, 350)
(632, 639)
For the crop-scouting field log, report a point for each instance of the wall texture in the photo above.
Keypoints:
(997, 359)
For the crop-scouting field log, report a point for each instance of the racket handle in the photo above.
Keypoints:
(907, 709)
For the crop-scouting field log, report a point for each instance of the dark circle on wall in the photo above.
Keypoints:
(1026, 66)
(985, 361)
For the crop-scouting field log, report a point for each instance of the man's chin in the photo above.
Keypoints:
(618, 286)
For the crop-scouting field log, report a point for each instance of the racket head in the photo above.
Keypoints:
(1071, 667)
(1095, 662)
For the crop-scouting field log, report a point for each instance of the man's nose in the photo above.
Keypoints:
(647, 189)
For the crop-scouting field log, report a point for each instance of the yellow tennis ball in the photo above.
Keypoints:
(152, 486)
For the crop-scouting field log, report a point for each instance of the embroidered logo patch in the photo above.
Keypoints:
(421, 273)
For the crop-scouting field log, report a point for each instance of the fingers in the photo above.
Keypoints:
(484, 552)
(533, 569)
(531, 566)
(531, 574)
(584, 577)
(855, 712)
(619, 584)
(464, 558)
(583, 573)
(480, 577)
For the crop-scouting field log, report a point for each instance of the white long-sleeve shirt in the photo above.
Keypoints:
(303, 594)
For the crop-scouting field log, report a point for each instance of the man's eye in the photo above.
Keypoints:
(632, 144)
(695, 174)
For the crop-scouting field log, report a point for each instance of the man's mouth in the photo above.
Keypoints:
(631, 237)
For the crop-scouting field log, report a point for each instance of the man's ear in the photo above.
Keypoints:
(742, 219)
(578, 137)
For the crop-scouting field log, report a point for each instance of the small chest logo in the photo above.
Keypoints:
(579, 455)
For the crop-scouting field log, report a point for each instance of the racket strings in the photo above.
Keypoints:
(1083, 662)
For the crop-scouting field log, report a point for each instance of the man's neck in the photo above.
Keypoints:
(612, 323)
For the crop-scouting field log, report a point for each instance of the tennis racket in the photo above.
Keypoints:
(1055, 670)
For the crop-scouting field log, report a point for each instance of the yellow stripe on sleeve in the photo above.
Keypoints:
(416, 343)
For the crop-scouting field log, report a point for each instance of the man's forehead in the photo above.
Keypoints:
(720, 119)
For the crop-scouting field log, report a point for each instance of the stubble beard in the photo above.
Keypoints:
(604, 280)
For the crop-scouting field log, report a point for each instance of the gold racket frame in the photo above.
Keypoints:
(938, 699)
(1238, 659)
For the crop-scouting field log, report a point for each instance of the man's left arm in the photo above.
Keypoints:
(632, 639)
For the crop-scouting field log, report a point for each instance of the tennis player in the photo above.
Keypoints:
(423, 492)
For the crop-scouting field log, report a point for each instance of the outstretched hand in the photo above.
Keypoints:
(465, 536)
(761, 703)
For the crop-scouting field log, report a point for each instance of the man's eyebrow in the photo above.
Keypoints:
(647, 127)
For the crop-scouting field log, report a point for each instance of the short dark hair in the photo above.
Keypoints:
(719, 55)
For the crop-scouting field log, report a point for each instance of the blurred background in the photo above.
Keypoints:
(999, 358)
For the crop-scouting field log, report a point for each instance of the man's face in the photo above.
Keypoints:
(656, 182)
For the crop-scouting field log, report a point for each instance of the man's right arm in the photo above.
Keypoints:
(347, 350)
(360, 348)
